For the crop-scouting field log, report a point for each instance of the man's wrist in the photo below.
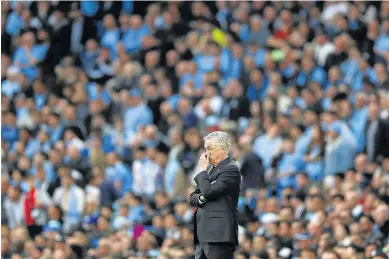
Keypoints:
(202, 199)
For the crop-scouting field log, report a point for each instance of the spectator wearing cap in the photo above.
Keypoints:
(118, 173)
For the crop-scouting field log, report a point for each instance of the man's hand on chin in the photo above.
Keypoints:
(203, 163)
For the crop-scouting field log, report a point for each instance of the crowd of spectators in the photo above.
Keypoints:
(104, 106)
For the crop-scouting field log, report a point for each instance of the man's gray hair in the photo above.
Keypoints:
(219, 139)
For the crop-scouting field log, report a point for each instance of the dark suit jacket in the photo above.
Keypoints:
(216, 220)
(381, 140)
(253, 172)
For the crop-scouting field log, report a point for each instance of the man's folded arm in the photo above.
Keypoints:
(229, 180)
(194, 197)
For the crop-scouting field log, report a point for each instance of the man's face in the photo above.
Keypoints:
(13, 193)
(67, 181)
(212, 152)
(381, 214)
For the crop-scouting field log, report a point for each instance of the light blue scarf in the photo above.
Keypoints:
(73, 215)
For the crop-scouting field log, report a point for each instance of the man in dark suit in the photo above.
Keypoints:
(216, 199)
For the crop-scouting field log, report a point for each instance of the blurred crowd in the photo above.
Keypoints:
(104, 106)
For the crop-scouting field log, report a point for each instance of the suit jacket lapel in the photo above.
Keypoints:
(220, 166)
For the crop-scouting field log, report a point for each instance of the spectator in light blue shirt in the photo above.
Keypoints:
(118, 173)
(335, 77)
(302, 140)
(356, 119)
(137, 113)
(363, 71)
(267, 145)
(310, 72)
(290, 163)
(29, 55)
(9, 130)
(382, 42)
(14, 21)
(55, 129)
(231, 62)
(205, 63)
(338, 154)
(132, 39)
(96, 92)
(89, 8)
(258, 32)
(89, 57)
(258, 86)
(111, 35)
(128, 6)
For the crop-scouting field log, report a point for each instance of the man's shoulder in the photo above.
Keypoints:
(231, 166)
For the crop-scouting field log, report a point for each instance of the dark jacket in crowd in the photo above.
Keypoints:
(253, 172)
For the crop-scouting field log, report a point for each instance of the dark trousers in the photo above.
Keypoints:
(214, 251)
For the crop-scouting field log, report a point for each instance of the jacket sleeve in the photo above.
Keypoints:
(194, 197)
(226, 182)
